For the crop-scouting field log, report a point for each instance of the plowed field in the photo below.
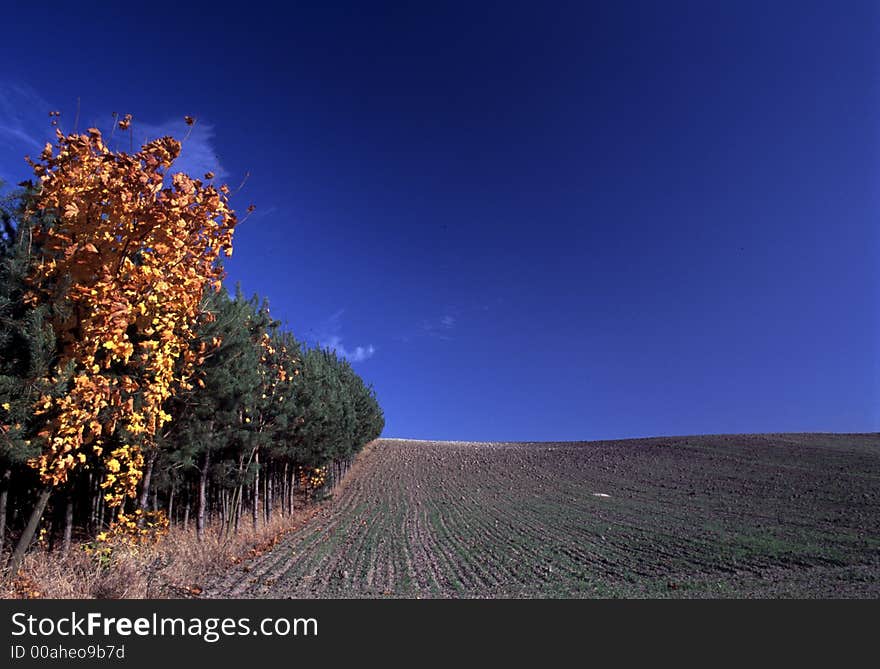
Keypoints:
(715, 516)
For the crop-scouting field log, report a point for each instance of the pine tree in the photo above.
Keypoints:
(27, 353)
(210, 426)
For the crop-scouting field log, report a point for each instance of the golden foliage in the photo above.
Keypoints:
(134, 529)
(312, 477)
(130, 251)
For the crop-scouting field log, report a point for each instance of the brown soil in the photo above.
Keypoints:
(771, 515)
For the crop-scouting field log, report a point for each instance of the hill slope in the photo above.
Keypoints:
(750, 515)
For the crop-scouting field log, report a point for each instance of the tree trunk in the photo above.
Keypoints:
(294, 487)
(284, 496)
(203, 498)
(266, 498)
(270, 495)
(68, 526)
(91, 503)
(144, 497)
(24, 541)
(257, 490)
(99, 514)
(4, 499)
(145, 483)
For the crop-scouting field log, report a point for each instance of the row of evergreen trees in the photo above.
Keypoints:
(264, 422)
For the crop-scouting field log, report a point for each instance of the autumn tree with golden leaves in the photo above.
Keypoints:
(129, 249)
(134, 391)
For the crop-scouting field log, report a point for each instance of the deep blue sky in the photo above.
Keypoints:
(524, 221)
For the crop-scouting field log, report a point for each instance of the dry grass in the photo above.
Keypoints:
(174, 568)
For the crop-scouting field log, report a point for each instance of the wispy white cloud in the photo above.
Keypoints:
(438, 328)
(329, 337)
(357, 354)
(23, 116)
(451, 323)
(24, 129)
(197, 155)
(333, 323)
